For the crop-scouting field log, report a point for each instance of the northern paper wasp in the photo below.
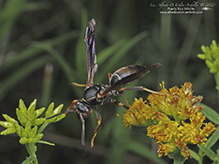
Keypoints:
(98, 94)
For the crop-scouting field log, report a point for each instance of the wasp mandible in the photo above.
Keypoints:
(98, 94)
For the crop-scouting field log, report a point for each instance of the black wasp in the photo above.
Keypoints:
(98, 94)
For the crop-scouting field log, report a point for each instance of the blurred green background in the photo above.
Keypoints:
(42, 52)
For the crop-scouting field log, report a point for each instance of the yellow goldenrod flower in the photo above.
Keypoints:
(139, 113)
(172, 118)
(164, 149)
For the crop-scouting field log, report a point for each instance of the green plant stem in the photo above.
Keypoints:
(216, 75)
(201, 156)
(177, 157)
(45, 124)
(31, 149)
(200, 161)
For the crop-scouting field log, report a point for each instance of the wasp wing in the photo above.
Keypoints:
(89, 40)
(139, 73)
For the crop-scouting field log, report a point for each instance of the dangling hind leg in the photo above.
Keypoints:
(97, 128)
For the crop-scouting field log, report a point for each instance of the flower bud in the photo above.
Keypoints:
(38, 121)
(23, 140)
(202, 56)
(49, 110)
(8, 131)
(38, 112)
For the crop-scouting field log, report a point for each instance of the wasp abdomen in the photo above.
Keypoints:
(127, 71)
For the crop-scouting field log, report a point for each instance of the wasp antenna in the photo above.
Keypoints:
(56, 115)
(82, 130)
(64, 112)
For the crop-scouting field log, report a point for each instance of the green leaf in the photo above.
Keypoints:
(46, 142)
(37, 6)
(208, 152)
(71, 74)
(32, 51)
(117, 56)
(194, 155)
(144, 151)
(9, 82)
(29, 160)
(210, 113)
(8, 14)
(19, 57)
(213, 139)
(80, 48)
(107, 52)
(47, 85)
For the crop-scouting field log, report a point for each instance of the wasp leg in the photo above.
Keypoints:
(65, 112)
(98, 125)
(139, 120)
(78, 85)
(118, 103)
(123, 93)
(139, 88)
(121, 104)
(74, 102)
(109, 76)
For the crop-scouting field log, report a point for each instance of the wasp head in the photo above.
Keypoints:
(81, 108)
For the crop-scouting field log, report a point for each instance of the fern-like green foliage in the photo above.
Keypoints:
(211, 56)
(29, 126)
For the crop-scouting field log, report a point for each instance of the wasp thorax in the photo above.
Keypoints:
(90, 94)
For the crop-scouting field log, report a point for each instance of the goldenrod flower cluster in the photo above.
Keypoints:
(173, 118)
